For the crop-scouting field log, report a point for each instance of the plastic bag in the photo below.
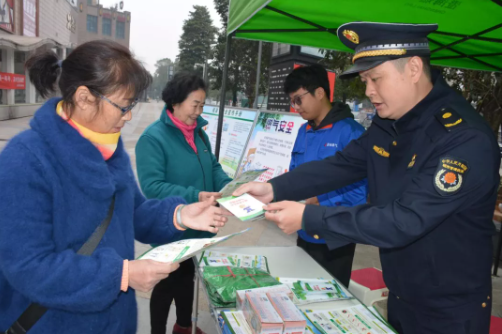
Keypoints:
(223, 282)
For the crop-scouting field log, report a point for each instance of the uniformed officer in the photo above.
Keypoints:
(432, 165)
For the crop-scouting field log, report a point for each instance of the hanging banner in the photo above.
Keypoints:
(12, 81)
(237, 125)
(271, 144)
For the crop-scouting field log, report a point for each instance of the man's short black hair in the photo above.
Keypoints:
(309, 78)
(178, 89)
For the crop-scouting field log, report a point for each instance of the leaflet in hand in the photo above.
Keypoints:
(355, 319)
(307, 291)
(181, 250)
(244, 207)
(244, 178)
(219, 259)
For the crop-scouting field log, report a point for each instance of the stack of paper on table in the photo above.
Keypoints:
(308, 291)
(234, 322)
(355, 320)
(219, 259)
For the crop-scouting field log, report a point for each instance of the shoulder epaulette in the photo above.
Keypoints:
(450, 119)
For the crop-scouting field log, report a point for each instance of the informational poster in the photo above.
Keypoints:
(271, 144)
(237, 125)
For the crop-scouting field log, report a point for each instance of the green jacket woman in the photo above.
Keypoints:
(174, 158)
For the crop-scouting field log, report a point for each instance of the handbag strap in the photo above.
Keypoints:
(35, 311)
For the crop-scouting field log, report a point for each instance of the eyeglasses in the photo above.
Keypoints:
(124, 110)
(297, 101)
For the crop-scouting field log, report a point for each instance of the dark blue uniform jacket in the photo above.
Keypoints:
(433, 177)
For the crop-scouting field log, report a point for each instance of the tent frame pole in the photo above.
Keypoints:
(221, 113)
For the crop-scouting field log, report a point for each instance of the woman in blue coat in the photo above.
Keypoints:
(57, 181)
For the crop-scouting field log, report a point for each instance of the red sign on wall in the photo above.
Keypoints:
(12, 81)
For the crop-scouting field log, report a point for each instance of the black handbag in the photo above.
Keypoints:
(35, 311)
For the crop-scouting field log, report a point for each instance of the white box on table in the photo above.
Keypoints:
(294, 321)
(261, 315)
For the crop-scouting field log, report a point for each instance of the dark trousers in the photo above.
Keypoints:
(337, 262)
(468, 318)
(178, 286)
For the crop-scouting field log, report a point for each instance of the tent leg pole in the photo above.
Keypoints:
(258, 71)
(222, 97)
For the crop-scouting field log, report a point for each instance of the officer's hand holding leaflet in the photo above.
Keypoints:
(287, 215)
(259, 190)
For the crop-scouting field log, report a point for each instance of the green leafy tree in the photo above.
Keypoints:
(195, 41)
(482, 89)
(243, 62)
(160, 78)
(344, 89)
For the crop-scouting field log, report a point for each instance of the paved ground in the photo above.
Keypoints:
(262, 234)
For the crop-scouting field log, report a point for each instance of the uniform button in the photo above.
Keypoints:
(397, 297)
(394, 143)
(316, 236)
(488, 297)
(483, 305)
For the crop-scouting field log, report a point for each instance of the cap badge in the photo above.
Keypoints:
(351, 36)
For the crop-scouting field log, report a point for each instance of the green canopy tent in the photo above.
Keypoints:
(469, 34)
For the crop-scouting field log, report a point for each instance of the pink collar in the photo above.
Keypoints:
(187, 130)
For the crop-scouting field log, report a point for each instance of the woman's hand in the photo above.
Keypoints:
(205, 195)
(145, 274)
(203, 216)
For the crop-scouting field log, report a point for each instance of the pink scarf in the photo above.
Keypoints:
(187, 130)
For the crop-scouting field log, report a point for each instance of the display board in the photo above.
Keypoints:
(271, 143)
(237, 126)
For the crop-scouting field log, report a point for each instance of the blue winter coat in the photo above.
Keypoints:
(332, 136)
(55, 189)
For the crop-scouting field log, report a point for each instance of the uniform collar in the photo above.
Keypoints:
(421, 114)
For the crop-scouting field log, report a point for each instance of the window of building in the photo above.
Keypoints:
(19, 59)
(312, 51)
(280, 49)
(120, 32)
(92, 23)
(90, 3)
(107, 26)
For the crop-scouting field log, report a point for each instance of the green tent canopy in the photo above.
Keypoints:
(469, 34)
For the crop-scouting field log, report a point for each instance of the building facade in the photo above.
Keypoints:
(28, 26)
(96, 22)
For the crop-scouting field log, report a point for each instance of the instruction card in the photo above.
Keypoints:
(244, 207)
